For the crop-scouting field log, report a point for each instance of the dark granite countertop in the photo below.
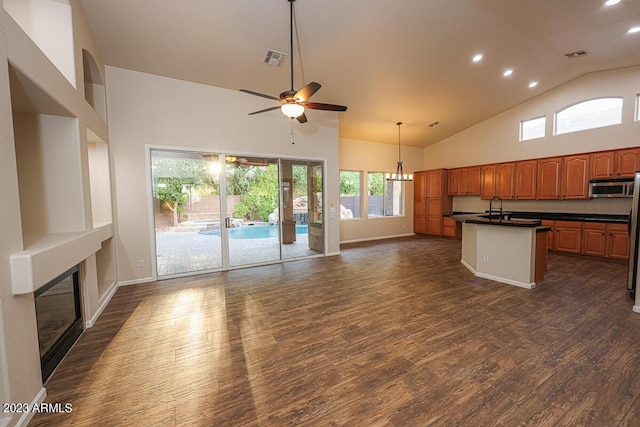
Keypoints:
(496, 220)
(559, 216)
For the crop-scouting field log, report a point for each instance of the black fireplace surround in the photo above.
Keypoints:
(59, 318)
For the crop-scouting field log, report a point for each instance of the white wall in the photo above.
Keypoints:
(367, 157)
(496, 140)
(145, 109)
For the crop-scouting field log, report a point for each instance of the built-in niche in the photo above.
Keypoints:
(94, 91)
(49, 24)
(47, 145)
(99, 179)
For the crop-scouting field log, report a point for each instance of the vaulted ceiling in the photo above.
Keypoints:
(387, 60)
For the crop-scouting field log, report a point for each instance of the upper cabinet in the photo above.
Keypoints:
(615, 164)
(627, 162)
(525, 179)
(575, 177)
(549, 178)
(464, 181)
(505, 180)
(488, 181)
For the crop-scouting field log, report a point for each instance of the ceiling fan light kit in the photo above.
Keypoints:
(399, 175)
(295, 102)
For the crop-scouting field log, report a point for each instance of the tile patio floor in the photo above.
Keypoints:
(188, 251)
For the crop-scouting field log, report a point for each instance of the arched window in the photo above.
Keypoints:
(590, 114)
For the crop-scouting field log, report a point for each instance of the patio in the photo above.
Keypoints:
(189, 251)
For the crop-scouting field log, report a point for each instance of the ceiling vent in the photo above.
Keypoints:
(576, 54)
(434, 124)
(274, 58)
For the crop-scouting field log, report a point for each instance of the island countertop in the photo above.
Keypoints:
(500, 220)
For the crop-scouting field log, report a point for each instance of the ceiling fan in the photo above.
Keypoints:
(294, 102)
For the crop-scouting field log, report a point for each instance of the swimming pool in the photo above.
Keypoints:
(258, 231)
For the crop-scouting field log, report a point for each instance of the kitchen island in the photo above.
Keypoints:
(504, 249)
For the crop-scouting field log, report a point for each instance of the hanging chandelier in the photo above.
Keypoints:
(399, 175)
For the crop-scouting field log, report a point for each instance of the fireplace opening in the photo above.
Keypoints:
(59, 319)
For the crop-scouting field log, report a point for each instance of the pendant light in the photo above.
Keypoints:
(399, 175)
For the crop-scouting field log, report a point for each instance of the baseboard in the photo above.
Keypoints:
(136, 281)
(498, 279)
(102, 305)
(636, 308)
(333, 253)
(368, 239)
(26, 417)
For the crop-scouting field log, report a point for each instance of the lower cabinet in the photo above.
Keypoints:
(449, 228)
(589, 238)
(568, 236)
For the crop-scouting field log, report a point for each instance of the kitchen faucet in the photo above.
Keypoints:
(491, 207)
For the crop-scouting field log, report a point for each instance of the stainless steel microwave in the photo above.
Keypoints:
(622, 187)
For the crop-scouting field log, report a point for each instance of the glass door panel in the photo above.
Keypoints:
(186, 197)
(252, 217)
(302, 226)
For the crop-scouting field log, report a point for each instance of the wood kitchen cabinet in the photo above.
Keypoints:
(505, 180)
(617, 244)
(551, 225)
(549, 178)
(594, 239)
(420, 202)
(605, 240)
(525, 180)
(474, 180)
(431, 201)
(602, 164)
(568, 236)
(627, 162)
(452, 181)
(464, 181)
(488, 182)
(449, 227)
(575, 177)
(615, 164)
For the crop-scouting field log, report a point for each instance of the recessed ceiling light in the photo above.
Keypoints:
(508, 72)
(477, 58)
(611, 2)
(634, 30)
(533, 84)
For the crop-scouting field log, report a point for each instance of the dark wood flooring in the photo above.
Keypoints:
(390, 333)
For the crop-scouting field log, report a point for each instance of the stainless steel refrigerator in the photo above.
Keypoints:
(634, 231)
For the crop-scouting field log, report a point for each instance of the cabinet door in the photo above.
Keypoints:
(594, 239)
(550, 224)
(474, 180)
(617, 241)
(420, 224)
(488, 181)
(434, 208)
(448, 227)
(575, 177)
(505, 180)
(627, 162)
(434, 184)
(526, 172)
(568, 236)
(549, 178)
(463, 181)
(434, 217)
(420, 185)
(453, 182)
(602, 164)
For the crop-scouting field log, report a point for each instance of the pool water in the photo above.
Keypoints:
(255, 231)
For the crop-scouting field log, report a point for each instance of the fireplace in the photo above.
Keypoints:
(59, 318)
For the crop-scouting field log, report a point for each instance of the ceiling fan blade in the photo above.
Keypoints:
(259, 94)
(307, 91)
(321, 106)
(265, 110)
(302, 118)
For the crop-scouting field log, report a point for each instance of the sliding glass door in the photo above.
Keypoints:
(186, 197)
(221, 211)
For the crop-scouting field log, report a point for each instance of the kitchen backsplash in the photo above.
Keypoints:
(596, 206)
